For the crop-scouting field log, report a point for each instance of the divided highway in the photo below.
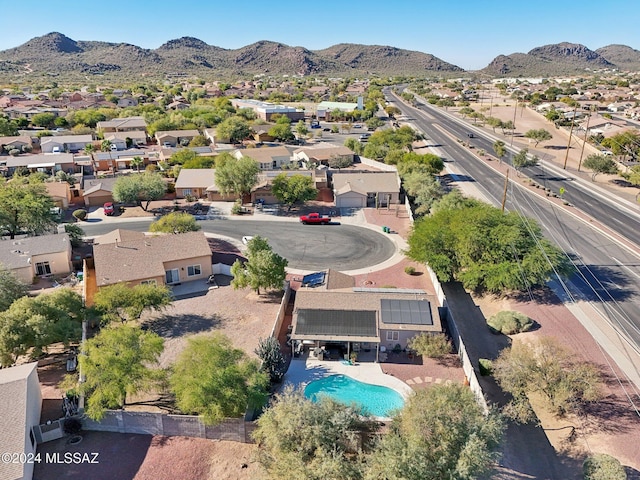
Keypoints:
(608, 275)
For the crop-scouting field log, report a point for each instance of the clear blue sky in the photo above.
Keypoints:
(466, 33)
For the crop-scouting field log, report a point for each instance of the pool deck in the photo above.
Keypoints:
(305, 370)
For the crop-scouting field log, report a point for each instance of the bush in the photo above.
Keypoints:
(236, 209)
(432, 345)
(509, 322)
(80, 214)
(485, 366)
(409, 270)
(603, 467)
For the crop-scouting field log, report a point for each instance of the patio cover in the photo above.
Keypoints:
(336, 325)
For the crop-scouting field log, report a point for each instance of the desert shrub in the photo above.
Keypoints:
(409, 270)
(80, 214)
(236, 209)
(510, 322)
(603, 467)
(432, 345)
(486, 366)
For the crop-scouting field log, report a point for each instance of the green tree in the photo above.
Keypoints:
(523, 160)
(485, 249)
(237, 177)
(263, 268)
(182, 156)
(301, 129)
(494, 123)
(633, 177)
(7, 128)
(215, 380)
(136, 162)
(11, 288)
(538, 135)
(441, 433)
(75, 233)
(432, 345)
(235, 129)
(122, 302)
(273, 362)
(117, 363)
(89, 148)
(431, 163)
(25, 207)
(140, 189)
(301, 439)
(601, 466)
(175, 222)
(198, 141)
(293, 189)
(499, 149)
(600, 164)
(37, 322)
(281, 132)
(549, 369)
(44, 119)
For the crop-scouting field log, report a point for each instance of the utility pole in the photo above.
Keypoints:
(504, 195)
(573, 121)
(586, 132)
(513, 132)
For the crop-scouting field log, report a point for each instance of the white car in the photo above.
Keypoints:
(246, 239)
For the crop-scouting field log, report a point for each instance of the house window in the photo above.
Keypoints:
(193, 270)
(172, 276)
(43, 268)
(186, 191)
(393, 336)
(149, 282)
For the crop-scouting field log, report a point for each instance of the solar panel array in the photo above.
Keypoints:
(409, 312)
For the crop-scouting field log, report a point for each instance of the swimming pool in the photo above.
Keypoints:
(374, 399)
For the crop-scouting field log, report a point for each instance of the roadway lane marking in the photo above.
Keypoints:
(625, 267)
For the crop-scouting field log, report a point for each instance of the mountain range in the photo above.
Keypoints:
(56, 54)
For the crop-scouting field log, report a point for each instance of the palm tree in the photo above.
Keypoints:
(136, 162)
(105, 146)
(89, 148)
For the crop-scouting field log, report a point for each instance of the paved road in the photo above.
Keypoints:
(306, 247)
(608, 274)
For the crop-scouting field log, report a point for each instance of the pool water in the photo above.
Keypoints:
(375, 400)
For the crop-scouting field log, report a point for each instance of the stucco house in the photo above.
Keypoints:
(268, 158)
(366, 189)
(40, 256)
(135, 258)
(124, 140)
(21, 402)
(373, 320)
(199, 183)
(126, 124)
(98, 191)
(14, 143)
(175, 138)
(320, 154)
(47, 163)
(65, 143)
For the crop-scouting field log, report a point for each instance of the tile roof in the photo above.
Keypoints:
(177, 133)
(196, 178)
(136, 259)
(17, 253)
(119, 235)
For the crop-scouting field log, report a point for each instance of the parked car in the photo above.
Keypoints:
(109, 209)
(314, 218)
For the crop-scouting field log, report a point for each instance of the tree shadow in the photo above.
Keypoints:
(174, 326)
(543, 295)
(602, 283)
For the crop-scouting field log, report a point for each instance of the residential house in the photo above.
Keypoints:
(266, 110)
(178, 105)
(126, 124)
(198, 183)
(112, 161)
(362, 319)
(124, 140)
(98, 191)
(14, 143)
(175, 138)
(127, 102)
(268, 158)
(364, 189)
(32, 257)
(262, 193)
(162, 259)
(61, 193)
(21, 401)
(65, 143)
(47, 163)
(321, 153)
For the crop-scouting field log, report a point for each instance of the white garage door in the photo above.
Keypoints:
(350, 202)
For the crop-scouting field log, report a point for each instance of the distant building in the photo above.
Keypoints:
(266, 111)
(324, 109)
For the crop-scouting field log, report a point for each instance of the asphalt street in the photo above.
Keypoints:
(608, 275)
(306, 247)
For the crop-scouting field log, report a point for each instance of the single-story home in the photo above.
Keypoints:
(61, 193)
(40, 256)
(21, 402)
(118, 160)
(47, 163)
(366, 189)
(124, 140)
(262, 193)
(65, 143)
(268, 158)
(199, 183)
(175, 138)
(374, 320)
(322, 153)
(126, 124)
(98, 191)
(140, 259)
(17, 143)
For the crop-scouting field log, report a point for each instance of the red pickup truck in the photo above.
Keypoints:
(314, 218)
